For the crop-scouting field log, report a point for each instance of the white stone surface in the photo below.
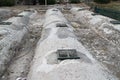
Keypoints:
(4, 13)
(45, 65)
(11, 37)
(98, 21)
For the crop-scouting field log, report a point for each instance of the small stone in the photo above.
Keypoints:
(32, 40)
(19, 78)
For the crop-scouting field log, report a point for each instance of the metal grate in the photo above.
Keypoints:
(27, 10)
(61, 25)
(5, 23)
(64, 54)
(80, 9)
(54, 10)
(94, 14)
(19, 16)
(115, 22)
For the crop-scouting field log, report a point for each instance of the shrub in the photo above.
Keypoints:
(7, 2)
(102, 1)
(51, 2)
(74, 1)
(48, 1)
(41, 2)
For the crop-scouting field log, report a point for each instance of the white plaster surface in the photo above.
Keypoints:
(68, 69)
(10, 37)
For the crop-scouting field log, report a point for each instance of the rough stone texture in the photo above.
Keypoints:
(101, 38)
(5, 13)
(45, 65)
(11, 38)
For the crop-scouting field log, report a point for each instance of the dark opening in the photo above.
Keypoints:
(42, 2)
(27, 10)
(115, 22)
(55, 10)
(5, 23)
(94, 14)
(19, 16)
(61, 25)
(64, 54)
(80, 9)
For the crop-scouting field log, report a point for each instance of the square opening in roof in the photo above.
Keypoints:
(81, 9)
(5, 23)
(19, 16)
(63, 54)
(61, 25)
(115, 22)
(94, 14)
(27, 10)
(54, 10)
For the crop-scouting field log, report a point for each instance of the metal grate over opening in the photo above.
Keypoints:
(5, 23)
(27, 10)
(115, 22)
(63, 54)
(81, 9)
(54, 10)
(61, 25)
(19, 15)
(94, 14)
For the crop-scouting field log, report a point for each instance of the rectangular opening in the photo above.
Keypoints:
(64, 54)
(81, 9)
(94, 14)
(61, 25)
(115, 22)
(5, 23)
(19, 16)
(27, 10)
(67, 8)
(54, 10)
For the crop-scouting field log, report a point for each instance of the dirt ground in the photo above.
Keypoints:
(100, 48)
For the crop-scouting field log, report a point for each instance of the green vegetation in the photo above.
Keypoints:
(108, 12)
(102, 1)
(51, 1)
(54, 1)
(112, 5)
(74, 1)
(111, 9)
(42, 2)
(7, 2)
